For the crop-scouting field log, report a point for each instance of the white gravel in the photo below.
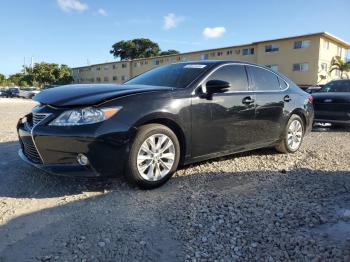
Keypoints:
(254, 206)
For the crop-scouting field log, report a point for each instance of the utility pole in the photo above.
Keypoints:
(24, 65)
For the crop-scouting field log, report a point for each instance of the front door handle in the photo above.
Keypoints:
(248, 100)
(286, 98)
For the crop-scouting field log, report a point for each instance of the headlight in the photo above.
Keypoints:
(84, 116)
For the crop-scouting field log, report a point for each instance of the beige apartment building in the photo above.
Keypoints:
(306, 59)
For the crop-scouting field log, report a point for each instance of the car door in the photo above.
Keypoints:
(223, 122)
(270, 99)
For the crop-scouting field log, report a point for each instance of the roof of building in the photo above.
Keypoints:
(323, 34)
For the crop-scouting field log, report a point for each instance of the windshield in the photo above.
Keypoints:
(336, 86)
(174, 75)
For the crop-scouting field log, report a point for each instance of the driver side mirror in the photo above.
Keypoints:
(216, 87)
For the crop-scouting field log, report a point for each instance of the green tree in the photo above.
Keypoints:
(136, 48)
(15, 79)
(338, 64)
(2, 80)
(169, 52)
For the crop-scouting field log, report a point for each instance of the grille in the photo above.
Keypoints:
(38, 117)
(30, 151)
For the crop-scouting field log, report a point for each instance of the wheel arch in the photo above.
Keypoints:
(174, 126)
(299, 112)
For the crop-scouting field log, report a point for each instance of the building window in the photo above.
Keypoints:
(248, 51)
(146, 62)
(301, 67)
(273, 67)
(204, 57)
(114, 66)
(219, 53)
(105, 79)
(98, 79)
(123, 78)
(212, 54)
(324, 67)
(229, 52)
(271, 48)
(302, 44)
(156, 62)
(92, 80)
(325, 44)
(98, 68)
(184, 59)
(339, 51)
(137, 64)
(115, 78)
(124, 65)
(337, 72)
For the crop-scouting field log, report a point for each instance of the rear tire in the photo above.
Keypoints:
(292, 136)
(154, 156)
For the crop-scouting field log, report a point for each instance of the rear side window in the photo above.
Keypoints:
(234, 74)
(264, 80)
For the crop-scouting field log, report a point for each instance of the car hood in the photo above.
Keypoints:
(331, 97)
(75, 95)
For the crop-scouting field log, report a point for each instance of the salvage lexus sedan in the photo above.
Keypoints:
(172, 115)
(332, 103)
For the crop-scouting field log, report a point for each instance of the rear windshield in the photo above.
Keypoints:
(336, 86)
(174, 75)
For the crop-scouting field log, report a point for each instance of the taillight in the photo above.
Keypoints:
(310, 99)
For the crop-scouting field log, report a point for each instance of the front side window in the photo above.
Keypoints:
(337, 86)
(302, 44)
(301, 67)
(234, 74)
(271, 48)
(264, 80)
(174, 75)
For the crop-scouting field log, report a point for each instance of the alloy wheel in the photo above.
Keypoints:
(295, 134)
(156, 157)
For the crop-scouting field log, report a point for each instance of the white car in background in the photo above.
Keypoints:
(28, 92)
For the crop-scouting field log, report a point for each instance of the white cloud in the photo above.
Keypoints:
(171, 21)
(102, 12)
(72, 5)
(213, 32)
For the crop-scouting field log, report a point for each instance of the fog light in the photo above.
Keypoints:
(82, 159)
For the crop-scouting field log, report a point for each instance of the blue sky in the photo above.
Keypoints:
(76, 31)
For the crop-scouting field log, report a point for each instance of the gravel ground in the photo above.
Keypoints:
(258, 205)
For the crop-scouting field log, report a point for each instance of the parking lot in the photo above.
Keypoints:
(259, 205)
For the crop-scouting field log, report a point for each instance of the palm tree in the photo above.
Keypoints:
(338, 64)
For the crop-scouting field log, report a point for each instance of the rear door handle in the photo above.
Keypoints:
(248, 100)
(286, 98)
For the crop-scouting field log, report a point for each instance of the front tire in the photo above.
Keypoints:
(292, 136)
(154, 156)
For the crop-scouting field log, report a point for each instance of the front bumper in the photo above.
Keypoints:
(72, 170)
(55, 149)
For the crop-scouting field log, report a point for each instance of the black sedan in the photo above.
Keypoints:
(332, 103)
(170, 116)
